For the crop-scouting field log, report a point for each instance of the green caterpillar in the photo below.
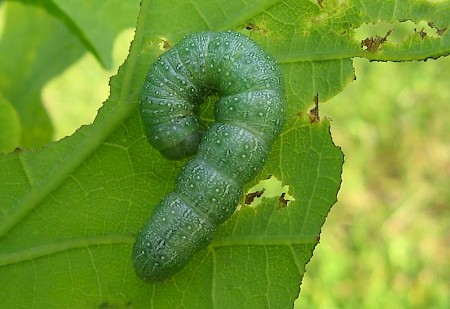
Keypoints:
(249, 115)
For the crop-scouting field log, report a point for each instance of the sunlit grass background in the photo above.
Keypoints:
(386, 243)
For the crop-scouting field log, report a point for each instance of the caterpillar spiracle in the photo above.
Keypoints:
(249, 115)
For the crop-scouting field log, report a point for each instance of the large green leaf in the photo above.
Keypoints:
(95, 23)
(40, 41)
(34, 48)
(70, 210)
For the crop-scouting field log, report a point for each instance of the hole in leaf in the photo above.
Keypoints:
(269, 188)
(373, 36)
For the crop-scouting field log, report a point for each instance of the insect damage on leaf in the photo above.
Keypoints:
(164, 44)
(373, 43)
(314, 112)
(258, 28)
(250, 197)
(283, 202)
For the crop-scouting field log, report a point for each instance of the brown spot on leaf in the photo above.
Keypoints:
(421, 33)
(439, 32)
(314, 112)
(249, 198)
(319, 2)
(282, 201)
(373, 43)
(164, 43)
(250, 27)
(258, 28)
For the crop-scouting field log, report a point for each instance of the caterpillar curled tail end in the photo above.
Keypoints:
(249, 115)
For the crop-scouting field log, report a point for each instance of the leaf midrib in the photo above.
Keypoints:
(32, 253)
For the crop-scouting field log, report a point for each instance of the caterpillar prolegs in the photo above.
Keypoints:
(249, 115)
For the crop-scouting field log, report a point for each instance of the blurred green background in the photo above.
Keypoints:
(386, 241)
